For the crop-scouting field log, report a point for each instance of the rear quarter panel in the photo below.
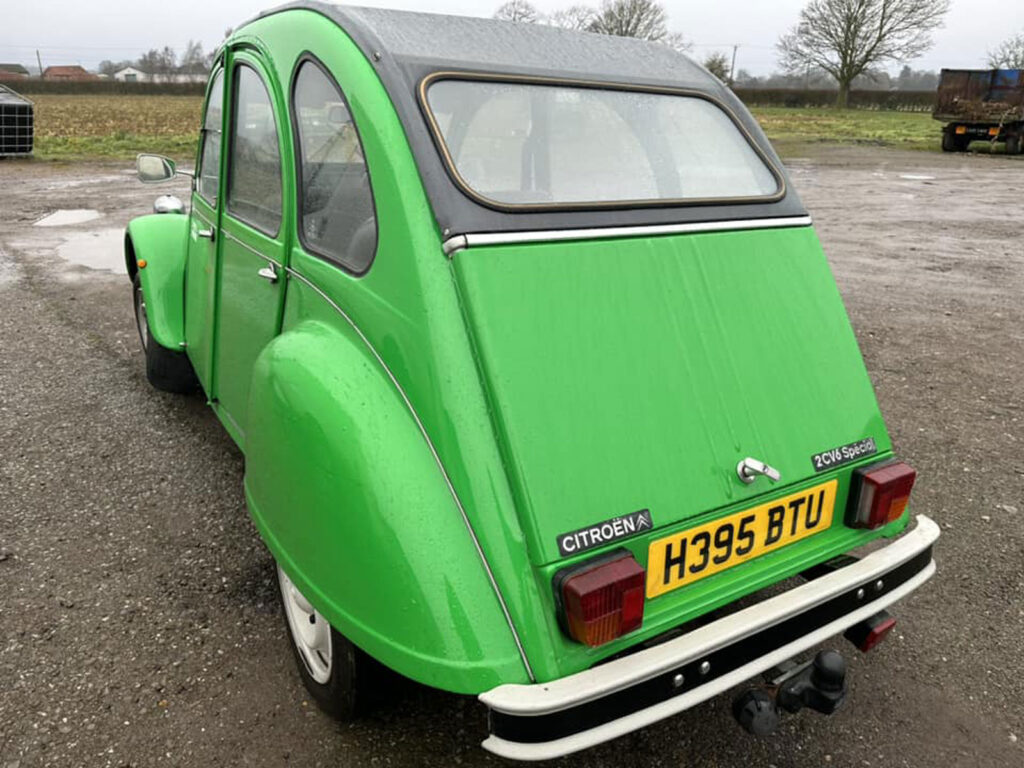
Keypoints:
(365, 524)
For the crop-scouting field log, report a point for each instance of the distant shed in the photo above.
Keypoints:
(13, 72)
(71, 72)
(16, 123)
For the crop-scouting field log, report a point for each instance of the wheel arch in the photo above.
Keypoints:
(350, 499)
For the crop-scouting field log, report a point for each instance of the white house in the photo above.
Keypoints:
(131, 75)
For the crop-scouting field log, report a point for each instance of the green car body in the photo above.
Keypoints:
(418, 435)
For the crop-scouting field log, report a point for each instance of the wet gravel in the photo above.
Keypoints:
(139, 623)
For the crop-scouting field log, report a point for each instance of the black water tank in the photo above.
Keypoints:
(15, 123)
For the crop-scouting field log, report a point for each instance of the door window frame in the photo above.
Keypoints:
(305, 57)
(248, 58)
(218, 70)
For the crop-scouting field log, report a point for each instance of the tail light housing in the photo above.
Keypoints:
(601, 599)
(879, 494)
(871, 632)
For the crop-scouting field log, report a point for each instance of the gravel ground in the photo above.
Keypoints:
(138, 614)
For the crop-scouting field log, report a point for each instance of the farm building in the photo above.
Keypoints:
(13, 72)
(16, 114)
(135, 75)
(72, 72)
(131, 75)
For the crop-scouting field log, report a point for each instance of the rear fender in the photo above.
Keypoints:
(158, 241)
(351, 502)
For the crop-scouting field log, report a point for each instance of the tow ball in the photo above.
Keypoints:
(819, 684)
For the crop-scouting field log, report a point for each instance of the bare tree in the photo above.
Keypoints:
(636, 18)
(631, 18)
(577, 17)
(518, 10)
(718, 65)
(193, 60)
(108, 67)
(847, 37)
(1009, 54)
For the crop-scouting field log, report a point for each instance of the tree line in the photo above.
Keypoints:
(840, 44)
(166, 61)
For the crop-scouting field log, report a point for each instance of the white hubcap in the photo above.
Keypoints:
(310, 631)
(140, 316)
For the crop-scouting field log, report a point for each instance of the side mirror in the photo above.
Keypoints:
(152, 169)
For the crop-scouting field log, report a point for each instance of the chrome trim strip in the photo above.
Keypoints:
(252, 250)
(202, 218)
(590, 684)
(460, 242)
(437, 458)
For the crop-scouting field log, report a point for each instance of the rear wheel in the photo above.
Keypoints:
(951, 142)
(166, 370)
(330, 666)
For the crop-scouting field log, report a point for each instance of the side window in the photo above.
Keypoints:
(254, 175)
(336, 213)
(209, 168)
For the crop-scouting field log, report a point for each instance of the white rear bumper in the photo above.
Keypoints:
(548, 720)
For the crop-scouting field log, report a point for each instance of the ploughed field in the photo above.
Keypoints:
(76, 127)
(139, 623)
(70, 127)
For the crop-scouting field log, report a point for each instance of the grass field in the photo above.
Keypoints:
(906, 130)
(117, 127)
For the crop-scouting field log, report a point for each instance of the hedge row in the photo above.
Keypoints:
(903, 101)
(35, 85)
(911, 101)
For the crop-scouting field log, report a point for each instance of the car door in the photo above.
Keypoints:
(201, 262)
(252, 242)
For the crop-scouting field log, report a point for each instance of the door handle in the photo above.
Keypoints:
(268, 272)
(749, 469)
(207, 233)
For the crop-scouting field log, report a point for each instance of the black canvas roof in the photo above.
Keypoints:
(407, 46)
(436, 41)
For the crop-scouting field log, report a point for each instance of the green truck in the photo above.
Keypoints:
(543, 382)
(981, 105)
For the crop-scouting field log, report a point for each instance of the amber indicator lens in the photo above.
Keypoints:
(604, 601)
(879, 494)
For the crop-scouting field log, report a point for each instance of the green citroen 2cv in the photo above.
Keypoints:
(541, 376)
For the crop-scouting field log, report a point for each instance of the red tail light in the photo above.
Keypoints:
(603, 599)
(879, 494)
(871, 632)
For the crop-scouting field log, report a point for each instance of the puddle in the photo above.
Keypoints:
(8, 270)
(67, 217)
(916, 177)
(98, 249)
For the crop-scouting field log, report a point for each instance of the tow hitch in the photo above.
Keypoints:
(819, 684)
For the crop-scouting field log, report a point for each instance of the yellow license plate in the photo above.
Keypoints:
(688, 556)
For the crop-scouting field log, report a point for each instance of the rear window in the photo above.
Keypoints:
(521, 144)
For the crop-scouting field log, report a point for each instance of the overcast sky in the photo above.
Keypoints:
(88, 31)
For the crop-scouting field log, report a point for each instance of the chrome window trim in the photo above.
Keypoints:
(252, 250)
(461, 242)
(437, 459)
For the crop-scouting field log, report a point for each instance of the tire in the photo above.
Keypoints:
(166, 370)
(953, 143)
(332, 669)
